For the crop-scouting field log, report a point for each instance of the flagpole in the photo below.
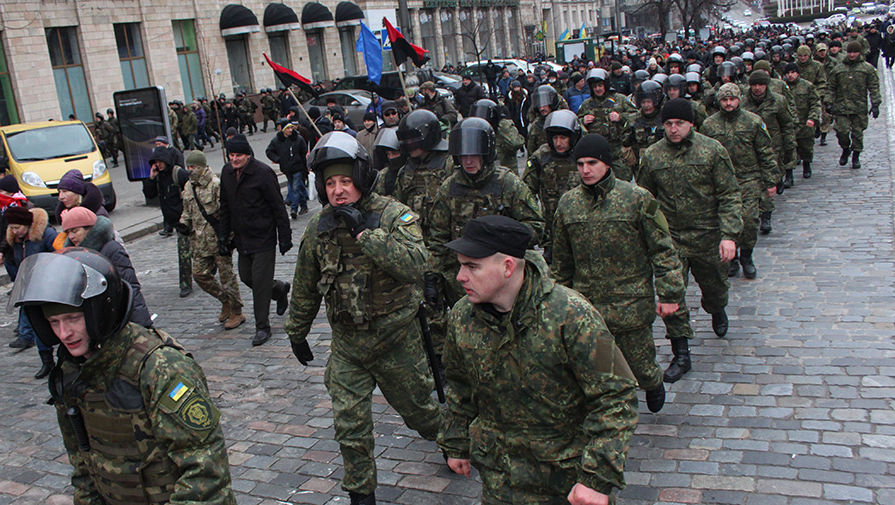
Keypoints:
(302, 107)
(403, 85)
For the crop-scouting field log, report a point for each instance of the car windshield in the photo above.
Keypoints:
(50, 142)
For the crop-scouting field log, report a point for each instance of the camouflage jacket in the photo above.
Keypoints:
(643, 131)
(550, 174)
(748, 143)
(270, 105)
(849, 84)
(105, 132)
(246, 106)
(865, 46)
(807, 102)
(600, 109)
(443, 110)
(188, 123)
(153, 431)
(536, 133)
(460, 199)
(509, 141)
(418, 182)
(368, 284)
(776, 113)
(697, 191)
(543, 383)
(203, 236)
(813, 72)
(611, 240)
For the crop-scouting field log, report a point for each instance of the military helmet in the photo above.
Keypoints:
(693, 77)
(596, 75)
(110, 111)
(487, 110)
(650, 90)
(77, 277)
(735, 50)
(420, 129)
(728, 69)
(340, 147)
(760, 55)
(562, 122)
(639, 76)
(739, 63)
(473, 136)
(694, 67)
(776, 49)
(675, 58)
(748, 56)
(676, 81)
(787, 48)
(719, 51)
(386, 140)
(660, 78)
(545, 94)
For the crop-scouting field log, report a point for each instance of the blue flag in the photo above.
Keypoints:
(372, 49)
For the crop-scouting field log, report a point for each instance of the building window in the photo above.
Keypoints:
(238, 57)
(467, 25)
(68, 73)
(279, 49)
(131, 56)
(448, 37)
(513, 25)
(317, 55)
(8, 112)
(188, 59)
(500, 48)
(349, 44)
(427, 29)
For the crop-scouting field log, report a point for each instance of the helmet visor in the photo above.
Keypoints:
(468, 142)
(54, 278)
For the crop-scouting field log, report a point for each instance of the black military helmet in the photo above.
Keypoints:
(776, 49)
(660, 78)
(386, 140)
(545, 94)
(596, 75)
(677, 81)
(787, 48)
(650, 90)
(748, 56)
(740, 64)
(77, 277)
(110, 111)
(639, 76)
(760, 55)
(420, 129)
(675, 58)
(562, 122)
(473, 136)
(694, 67)
(719, 50)
(340, 147)
(692, 77)
(487, 110)
(735, 50)
(728, 69)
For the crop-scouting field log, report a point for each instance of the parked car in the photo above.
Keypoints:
(354, 101)
(39, 153)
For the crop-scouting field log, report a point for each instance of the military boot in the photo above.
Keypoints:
(681, 362)
(749, 270)
(655, 398)
(235, 319)
(765, 226)
(855, 161)
(806, 169)
(46, 360)
(225, 312)
(823, 139)
(787, 180)
(720, 322)
(844, 158)
(362, 499)
(734, 267)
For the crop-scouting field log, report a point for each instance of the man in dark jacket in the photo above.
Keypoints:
(288, 149)
(467, 94)
(252, 208)
(166, 181)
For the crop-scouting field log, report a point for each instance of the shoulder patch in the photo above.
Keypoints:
(408, 217)
(198, 413)
(178, 391)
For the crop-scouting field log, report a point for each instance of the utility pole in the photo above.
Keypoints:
(404, 20)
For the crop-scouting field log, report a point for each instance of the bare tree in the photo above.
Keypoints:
(693, 13)
(658, 9)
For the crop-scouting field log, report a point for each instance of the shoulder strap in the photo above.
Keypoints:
(213, 221)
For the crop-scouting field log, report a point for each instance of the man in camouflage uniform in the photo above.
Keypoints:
(199, 222)
(136, 417)
(364, 254)
(826, 119)
(611, 242)
(807, 117)
(246, 108)
(188, 126)
(174, 121)
(106, 135)
(509, 140)
(479, 187)
(644, 127)
(540, 399)
(854, 36)
(692, 178)
(544, 100)
(776, 112)
(551, 171)
(270, 108)
(849, 84)
(751, 151)
(601, 113)
(117, 143)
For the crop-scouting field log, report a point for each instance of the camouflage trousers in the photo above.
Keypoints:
(270, 116)
(826, 121)
(711, 276)
(639, 350)
(184, 263)
(805, 144)
(750, 194)
(402, 375)
(227, 290)
(850, 131)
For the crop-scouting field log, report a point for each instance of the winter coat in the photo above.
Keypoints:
(39, 239)
(288, 152)
(465, 96)
(167, 186)
(92, 199)
(252, 208)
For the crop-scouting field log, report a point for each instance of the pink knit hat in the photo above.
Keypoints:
(77, 216)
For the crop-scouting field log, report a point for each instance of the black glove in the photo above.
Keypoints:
(182, 228)
(829, 108)
(352, 217)
(224, 248)
(874, 111)
(430, 288)
(548, 255)
(303, 352)
(285, 246)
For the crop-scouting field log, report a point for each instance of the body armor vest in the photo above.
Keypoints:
(420, 183)
(468, 203)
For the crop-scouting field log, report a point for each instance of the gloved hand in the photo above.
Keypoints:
(430, 288)
(182, 228)
(285, 246)
(874, 111)
(303, 352)
(352, 217)
(829, 108)
(548, 255)
(224, 248)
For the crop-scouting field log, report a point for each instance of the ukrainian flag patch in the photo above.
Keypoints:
(179, 390)
(408, 217)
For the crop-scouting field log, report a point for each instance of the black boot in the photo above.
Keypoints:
(46, 360)
(655, 398)
(362, 499)
(734, 267)
(719, 323)
(855, 161)
(787, 180)
(681, 362)
(261, 336)
(844, 158)
(749, 270)
(806, 169)
(823, 139)
(765, 226)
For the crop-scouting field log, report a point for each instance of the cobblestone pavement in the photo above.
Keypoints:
(794, 407)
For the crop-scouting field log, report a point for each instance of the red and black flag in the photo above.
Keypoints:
(290, 77)
(403, 49)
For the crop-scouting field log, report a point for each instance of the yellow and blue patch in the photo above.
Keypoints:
(179, 390)
(407, 217)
